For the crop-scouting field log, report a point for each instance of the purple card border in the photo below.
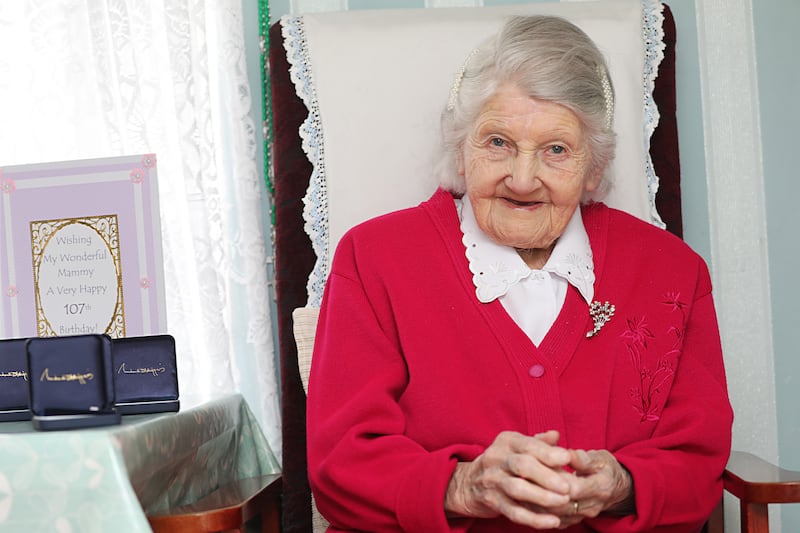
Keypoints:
(126, 186)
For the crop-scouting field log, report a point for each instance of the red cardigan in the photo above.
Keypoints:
(411, 373)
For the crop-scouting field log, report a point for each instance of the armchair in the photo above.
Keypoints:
(300, 272)
(757, 483)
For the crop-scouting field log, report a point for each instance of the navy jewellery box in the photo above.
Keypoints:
(145, 374)
(71, 382)
(13, 381)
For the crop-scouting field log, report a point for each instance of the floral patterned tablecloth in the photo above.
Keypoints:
(107, 479)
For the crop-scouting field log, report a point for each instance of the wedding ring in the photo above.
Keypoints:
(575, 507)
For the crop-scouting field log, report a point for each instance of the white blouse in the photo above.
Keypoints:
(533, 298)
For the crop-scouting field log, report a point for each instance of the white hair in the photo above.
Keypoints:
(548, 58)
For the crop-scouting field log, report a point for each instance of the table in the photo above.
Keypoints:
(108, 479)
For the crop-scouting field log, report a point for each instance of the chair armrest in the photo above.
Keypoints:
(228, 507)
(754, 480)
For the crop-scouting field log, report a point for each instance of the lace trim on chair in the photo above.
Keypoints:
(315, 202)
(653, 37)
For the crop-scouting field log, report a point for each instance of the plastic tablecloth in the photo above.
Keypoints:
(108, 479)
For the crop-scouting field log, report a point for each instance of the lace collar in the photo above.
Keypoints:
(496, 268)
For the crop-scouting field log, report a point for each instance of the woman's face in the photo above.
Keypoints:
(526, 165)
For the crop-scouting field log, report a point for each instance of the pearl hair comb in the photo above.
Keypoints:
(451, 102)
(608, 95)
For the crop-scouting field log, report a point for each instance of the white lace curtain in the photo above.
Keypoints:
(85, 78)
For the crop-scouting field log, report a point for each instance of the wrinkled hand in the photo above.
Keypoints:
(600, 484)
(521, 478)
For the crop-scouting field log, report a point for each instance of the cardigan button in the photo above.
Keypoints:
(536, 371)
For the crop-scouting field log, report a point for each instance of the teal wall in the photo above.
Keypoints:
(694, 194)
(778, 69)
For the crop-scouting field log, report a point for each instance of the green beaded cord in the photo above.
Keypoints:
(266, 96)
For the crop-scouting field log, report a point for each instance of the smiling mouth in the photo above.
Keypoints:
(520, 203)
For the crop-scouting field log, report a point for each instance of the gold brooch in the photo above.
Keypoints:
(600, 313)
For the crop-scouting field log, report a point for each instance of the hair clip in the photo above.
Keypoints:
(608, 94)
(451, 102)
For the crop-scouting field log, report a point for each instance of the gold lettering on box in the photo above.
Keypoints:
(80, 378)
(15, 374)
(142, 370)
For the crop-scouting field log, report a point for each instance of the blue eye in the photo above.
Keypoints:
(557, 149)
(497, 141)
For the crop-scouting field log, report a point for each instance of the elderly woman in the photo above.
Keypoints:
(512, 354)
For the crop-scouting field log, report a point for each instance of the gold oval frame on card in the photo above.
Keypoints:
(107, 228)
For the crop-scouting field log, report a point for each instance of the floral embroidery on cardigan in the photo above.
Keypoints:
(645, 395)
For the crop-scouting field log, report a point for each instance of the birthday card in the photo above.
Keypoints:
(80, 249)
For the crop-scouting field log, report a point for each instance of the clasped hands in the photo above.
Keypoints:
(534, 482)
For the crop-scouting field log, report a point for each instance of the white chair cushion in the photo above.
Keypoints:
(305, 326)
